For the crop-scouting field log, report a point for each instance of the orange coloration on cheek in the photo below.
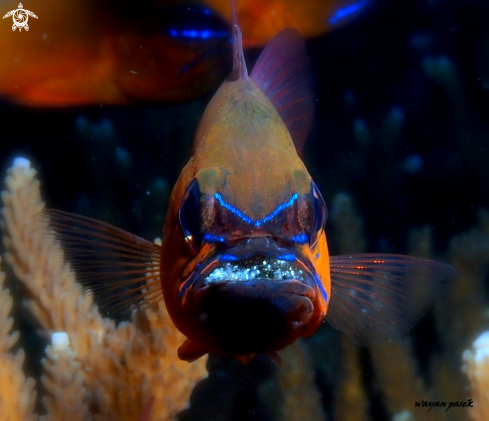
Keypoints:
(320, 260)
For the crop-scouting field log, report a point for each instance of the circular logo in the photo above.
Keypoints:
(20, 17)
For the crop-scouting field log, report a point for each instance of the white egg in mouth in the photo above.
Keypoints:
(257, 268)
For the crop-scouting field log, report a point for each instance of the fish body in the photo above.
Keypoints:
(244, 168)
(92, 52)
(244, 267)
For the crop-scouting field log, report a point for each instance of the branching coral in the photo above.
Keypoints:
(17, 395)
(108, 372)
(476, 366)
(351, 402)
(103, 371)
(301, 399)
(395, 367)
(462, 314)
(348, 233)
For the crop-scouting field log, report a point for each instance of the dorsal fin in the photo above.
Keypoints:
(283, 73)
(239, 66)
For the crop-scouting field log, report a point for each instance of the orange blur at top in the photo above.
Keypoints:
(260, 20)
(88, 52)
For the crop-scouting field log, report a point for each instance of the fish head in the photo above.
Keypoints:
(253, 282)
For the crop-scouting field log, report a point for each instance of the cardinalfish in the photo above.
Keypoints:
(244, 267)
(262, 19)
(91, 52)
(107, 52)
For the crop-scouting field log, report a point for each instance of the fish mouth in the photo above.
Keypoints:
(253, 260)
(253, 298)
(251, 264)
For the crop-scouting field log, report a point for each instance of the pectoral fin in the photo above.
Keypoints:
(122, 270)
(377, 297)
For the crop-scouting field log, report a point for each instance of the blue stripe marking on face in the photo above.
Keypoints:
(279, 209)
(321, 288)
(300, 238)
(258, 222)
(228, 258)
(287, 257)
(213, 238)
(232, 209)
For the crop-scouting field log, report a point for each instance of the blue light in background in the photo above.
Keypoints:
(196, 34)
(347, 11)
(191, 34)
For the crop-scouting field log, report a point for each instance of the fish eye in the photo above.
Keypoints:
(319, 214)
(189, 216)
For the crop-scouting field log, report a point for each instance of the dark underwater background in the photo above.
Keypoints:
(401, 128)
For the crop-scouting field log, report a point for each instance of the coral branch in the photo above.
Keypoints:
(476, 367)
(17, 394)
(115, 370)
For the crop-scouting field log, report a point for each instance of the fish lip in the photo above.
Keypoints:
(290, 286)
